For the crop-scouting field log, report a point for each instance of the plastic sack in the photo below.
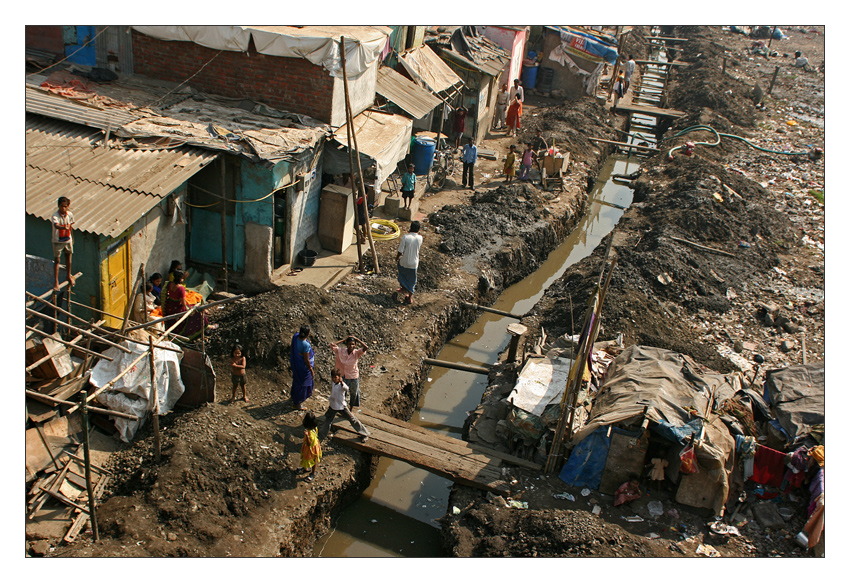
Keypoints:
(689, 460)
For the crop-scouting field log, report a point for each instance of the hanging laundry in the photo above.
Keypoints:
(768, 467)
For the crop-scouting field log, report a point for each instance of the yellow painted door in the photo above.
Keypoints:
(115, 282)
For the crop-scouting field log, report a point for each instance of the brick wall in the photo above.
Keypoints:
(290, 84)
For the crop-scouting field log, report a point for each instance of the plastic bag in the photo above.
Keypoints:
(689, 460)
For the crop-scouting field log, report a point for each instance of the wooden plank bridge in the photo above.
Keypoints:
(435, 452)
(629, 108)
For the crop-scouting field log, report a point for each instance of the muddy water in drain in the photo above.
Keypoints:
(396, 514)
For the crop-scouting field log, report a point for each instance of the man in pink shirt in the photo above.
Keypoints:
(346, 361)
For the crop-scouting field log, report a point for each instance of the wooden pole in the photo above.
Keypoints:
(349, 129)
(724, 64)
(491, 310)
(95, 326)
(200, 307)
(39, 397)
(46, 445)
(154, 404)
(624, 144)
(770, 40)
(144, 294)
(87, 458)
(457, 366)
(67, 342)
(32, 312)
(360, 170)
(133, 295)
(773, 79)
(223, 223)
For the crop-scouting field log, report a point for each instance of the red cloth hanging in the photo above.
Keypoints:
(768, 467)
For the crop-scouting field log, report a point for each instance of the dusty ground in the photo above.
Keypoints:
(228, 483)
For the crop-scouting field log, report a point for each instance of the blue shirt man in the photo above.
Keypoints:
(408, 186)
(470, 156)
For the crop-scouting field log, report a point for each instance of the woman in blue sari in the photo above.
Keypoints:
(301, 359)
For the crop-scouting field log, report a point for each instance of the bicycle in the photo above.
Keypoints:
(444, 166)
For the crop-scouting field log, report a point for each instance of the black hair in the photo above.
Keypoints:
(235, 348)
(148, 286)
(155, 276)
(304, 331)
(178, 276)
(633, 477)
(63, 199)
(310, 421)
(336, 373)
(174, 265)
(796, 54)
(414, 227)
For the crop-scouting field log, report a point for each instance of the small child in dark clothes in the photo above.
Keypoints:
(237, 372)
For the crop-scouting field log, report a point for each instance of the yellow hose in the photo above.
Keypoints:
(380, 235)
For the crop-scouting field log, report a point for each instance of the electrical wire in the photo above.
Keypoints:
(718, 137)
(71, 55)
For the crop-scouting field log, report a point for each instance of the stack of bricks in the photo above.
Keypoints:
(286, 83)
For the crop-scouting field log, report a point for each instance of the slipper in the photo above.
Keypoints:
(408, 300)
(395, 297)
(310, 478)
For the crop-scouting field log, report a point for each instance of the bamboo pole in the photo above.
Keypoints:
(80, 348)
(39, 397)
(133, 296)
(47, 446)
(144, 294)
(154, 403)
(457, 366)
(87, 463)
(200, 307)
(102, 330)
(491, 310)
(624, 144)
(349, 129)
(223, 223)
(93, 309)
(74, 328)
(62, 286)
(773, 79)
(360, 170)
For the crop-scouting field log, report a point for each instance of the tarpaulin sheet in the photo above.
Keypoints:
(587, 47)
(541, 382)
(429, 70)
(318, 44)
(796, 394)
(587, 461)
(669, 386)
(132, 393)
(382, 137)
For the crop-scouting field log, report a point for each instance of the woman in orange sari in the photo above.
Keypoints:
(514, 113)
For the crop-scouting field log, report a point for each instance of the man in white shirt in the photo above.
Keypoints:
(516, 91)
(408, 262)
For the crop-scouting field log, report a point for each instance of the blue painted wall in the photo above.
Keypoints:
(255, 182)
(74, 37)
(86, 259)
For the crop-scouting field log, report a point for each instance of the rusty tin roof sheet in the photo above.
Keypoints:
(406, 94)
(109, 188)
(425, 66)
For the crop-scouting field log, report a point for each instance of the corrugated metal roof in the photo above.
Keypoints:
(470, 50)
(409, 96)
(426, 67)
(59, 107)
(109, 188)
(376, 133)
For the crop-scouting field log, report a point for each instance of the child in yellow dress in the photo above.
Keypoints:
(311, 449)
(510, 162)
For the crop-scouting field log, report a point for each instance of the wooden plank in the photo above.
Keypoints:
(663, 63)
(82, 518)
(438, 454)
(440, 458)
(423, 436)
(456, 474)
(649, 110)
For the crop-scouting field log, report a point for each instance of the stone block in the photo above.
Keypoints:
(768, 516)
(391, 206)
(408, 214)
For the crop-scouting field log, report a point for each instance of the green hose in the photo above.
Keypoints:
(719, 136)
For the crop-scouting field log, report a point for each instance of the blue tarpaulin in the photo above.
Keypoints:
(587, 47)
(678, 433)
(587, 460)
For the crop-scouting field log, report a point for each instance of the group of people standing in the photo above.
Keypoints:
(509, 108)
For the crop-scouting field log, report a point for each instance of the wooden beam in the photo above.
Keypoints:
(80, 348)
(47, 294)
(491, 310)
(53, 401)
(624, 144)
(670, 38)
(456, 366)
(662, 63)
(76, 329)
(199, 307)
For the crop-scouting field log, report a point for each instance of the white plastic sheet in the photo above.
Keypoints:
(132, 393)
